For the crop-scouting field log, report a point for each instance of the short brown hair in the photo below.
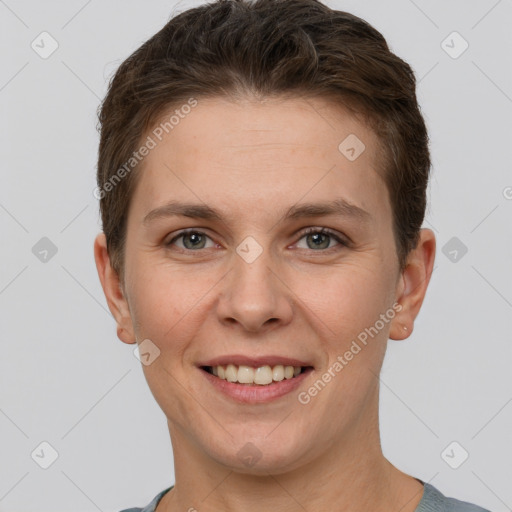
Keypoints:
(296, 48)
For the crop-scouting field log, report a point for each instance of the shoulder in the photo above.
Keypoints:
(435, 501)
(152, 506)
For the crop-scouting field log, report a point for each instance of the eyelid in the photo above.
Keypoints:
(342, 239)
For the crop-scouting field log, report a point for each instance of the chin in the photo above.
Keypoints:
(259, 457)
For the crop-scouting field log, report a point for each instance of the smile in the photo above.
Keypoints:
(261, 376)
(250, 385)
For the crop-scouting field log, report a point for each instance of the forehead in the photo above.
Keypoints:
(252, 125)
(275, 151)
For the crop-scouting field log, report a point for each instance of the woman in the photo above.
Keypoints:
(262, 180)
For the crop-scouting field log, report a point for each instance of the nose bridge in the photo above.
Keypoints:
(253, 294)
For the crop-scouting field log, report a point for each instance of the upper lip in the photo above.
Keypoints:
(256, 362)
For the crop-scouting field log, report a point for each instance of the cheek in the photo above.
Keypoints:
(159, 301)
(165, 312)
(170, 304)
(347, 301)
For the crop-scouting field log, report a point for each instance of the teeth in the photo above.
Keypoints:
(278, 373)
(245, 375)
(231, 373)
(263, 375)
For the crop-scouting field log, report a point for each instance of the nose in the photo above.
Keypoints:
(254, 296)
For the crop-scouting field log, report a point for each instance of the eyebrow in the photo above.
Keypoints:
(339, 207)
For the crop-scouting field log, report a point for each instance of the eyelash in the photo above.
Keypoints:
(308, 231)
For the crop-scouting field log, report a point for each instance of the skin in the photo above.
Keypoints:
(252, 160)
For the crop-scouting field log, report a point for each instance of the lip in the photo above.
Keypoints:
(255, 362)
(253, 394)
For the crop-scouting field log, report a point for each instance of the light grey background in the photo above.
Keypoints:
(66, 379)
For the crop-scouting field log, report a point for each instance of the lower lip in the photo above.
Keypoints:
(249, 394)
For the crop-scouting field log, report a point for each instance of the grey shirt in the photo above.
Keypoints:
(431, 501)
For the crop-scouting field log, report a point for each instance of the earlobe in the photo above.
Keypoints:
(413, 285)
(112, 289)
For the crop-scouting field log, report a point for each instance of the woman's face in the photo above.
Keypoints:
(252, 283)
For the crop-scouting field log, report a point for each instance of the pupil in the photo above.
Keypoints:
(195, 236)
(317, 238)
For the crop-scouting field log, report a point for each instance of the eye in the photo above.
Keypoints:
(191, 240)
(320, 238)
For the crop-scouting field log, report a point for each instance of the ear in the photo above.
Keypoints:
(412, 285)
(112, 289)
